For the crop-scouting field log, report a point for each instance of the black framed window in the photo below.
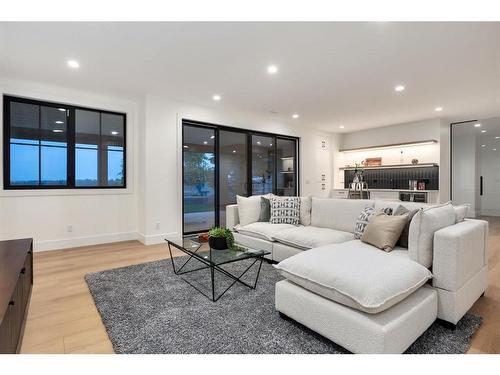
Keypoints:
(51, 145)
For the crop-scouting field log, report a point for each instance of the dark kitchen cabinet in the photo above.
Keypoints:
(16, 281)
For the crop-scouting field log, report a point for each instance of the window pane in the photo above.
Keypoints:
(87, 134)
(24, 122)
(115, 166)
(24, 144)
(53, 140)
(23, 164)
(112, 133)
(53, 165)
(86, 166)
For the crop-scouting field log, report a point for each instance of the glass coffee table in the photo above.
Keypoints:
(212, 260)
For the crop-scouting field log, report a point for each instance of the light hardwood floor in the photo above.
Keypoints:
(63, 318)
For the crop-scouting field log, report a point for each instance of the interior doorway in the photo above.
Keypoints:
(475, 166)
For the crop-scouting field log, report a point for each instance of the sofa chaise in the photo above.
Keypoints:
(360, 297)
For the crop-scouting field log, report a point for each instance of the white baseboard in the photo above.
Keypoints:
(489, 212)
(83, 241)
(154, 239)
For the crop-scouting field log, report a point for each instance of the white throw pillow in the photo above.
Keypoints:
(355, 274)
(249, 208)
(338, 214)
(461, 212)
(422, 228)
(305, 210)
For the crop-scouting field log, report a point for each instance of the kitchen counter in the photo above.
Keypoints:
(432, 196)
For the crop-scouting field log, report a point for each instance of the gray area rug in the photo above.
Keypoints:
(146, 308)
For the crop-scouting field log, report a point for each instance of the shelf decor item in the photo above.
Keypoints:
(358, 172)
(414, 161)
(220, 238)
(373, 162)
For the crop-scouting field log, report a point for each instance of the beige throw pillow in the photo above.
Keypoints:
(383, 231)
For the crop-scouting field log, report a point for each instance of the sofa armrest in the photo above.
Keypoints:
(232, 218)
(460, 252)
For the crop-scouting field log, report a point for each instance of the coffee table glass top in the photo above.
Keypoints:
(191, 245)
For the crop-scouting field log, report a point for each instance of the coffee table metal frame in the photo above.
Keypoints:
(209, 264)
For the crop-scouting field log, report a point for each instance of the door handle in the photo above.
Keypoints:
(481, 185)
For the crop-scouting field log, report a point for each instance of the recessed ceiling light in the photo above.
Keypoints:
(341, 127)
(216, 97)
(205, 142)
(62, 109)
(185, 146)
(73, 64)
(295, 115)
(114, 132)
(478, 125)
(483, 131)
(399, 88)
(483, 145)
(59, 122)
(234, 151)
(57, 131)
(272, 69)
(497, 137)
(494, 149)
(438, 109)
(212, 136)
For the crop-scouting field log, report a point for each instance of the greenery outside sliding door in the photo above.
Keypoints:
(220, 163)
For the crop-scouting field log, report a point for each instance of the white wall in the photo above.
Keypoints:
(97, 216)
(162, 159)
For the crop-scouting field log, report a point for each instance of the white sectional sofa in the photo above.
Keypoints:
(453, 253)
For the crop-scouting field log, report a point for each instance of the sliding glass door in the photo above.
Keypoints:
(220, 163)
(286, 178)
(232, 165)
(198, 178)
(262, 165)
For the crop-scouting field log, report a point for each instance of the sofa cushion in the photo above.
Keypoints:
(249, 208)
(461, 212)
(355, 274)
(396, 204)
(305, 210)
(307, 237)
(422, 228)
(263, 230)
(285, 210)
(265, 209)
(338, 214)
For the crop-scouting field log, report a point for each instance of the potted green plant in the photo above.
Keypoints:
(220, 238)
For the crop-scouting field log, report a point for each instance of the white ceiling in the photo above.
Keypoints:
(332, 74)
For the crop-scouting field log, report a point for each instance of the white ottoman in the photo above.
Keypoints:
(390, 331)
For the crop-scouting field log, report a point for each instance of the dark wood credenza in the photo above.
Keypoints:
(16, 281)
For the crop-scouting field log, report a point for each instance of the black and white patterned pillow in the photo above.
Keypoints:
(364, 218)
(285, 210)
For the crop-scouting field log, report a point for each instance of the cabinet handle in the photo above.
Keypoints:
(11, 303)
(23, 271)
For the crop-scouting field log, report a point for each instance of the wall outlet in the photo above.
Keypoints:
(157, 226)
(69, 228)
